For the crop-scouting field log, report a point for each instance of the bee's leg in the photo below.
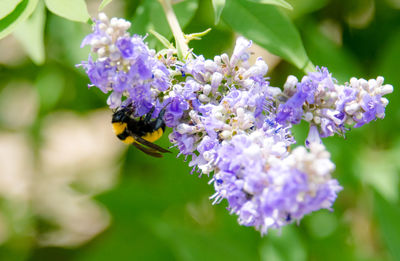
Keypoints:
(159, 122)
(148, 115)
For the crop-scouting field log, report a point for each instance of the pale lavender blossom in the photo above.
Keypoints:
(125, 65)
(232, 125)
(330, 107)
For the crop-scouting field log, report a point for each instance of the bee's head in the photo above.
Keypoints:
(122, 114)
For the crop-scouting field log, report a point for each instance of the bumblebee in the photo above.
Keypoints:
(140, 132)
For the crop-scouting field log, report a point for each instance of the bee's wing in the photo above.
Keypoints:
(149, 144)
(148, 151)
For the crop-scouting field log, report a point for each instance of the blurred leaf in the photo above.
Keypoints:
(269, 28)
(283, 246)
(20, 13)
(195, 244)
(324, 52)
(377, 169)
(281, 3)
(162, 39)
(7, 6)
(30, 34)
(302, 7)
(322, 224)
(50, 83)
(74, 10)
(150, 15)
(218, 6)
(66, 37)
(388, 217)
(103, 4)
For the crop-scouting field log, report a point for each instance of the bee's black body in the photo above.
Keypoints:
(139, 131)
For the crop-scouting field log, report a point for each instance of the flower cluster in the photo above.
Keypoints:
(125, 65)
(233, 125)
(328, 106)
(267, 187)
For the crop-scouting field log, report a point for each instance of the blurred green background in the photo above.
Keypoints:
(69, 190)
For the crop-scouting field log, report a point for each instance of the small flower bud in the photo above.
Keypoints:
(206, 89)
(289, 88)
(385, 89)
(308, 116)
(352, 108)
(203, 98)
(103, 18)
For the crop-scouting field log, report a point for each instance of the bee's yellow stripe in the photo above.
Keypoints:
(153, 136)
(119, 127)
(129, 140)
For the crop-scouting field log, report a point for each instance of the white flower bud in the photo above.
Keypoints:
(260, 68)
(203, 98)
(184, 128)
(354, 82)
(114, 22)
(95, 43)
(225, 134)
(217, 59)
(385, 89)
(317, 120)
(207, 89)
(216, 80)
(208, 155)
(103, 18)
(110, 31)
(225, 58)
(102, 26)
(384, 101)
(372, 85)
(105, 40)
(308, 116)
(210, 65)
(380, 80)
(289, 88)
(352, 108)
(101, 52)
(364, 84)
(219, 116)
(177, 88)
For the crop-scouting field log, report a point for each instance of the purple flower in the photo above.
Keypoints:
(126, 47)
(175, 108)
(372, 107)
(99, 73)
(292, 110)
(241, 51)
(184, 142)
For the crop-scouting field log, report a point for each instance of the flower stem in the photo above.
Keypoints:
(181, 43)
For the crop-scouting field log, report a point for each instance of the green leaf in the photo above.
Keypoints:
(267, 26)
(75, 10)
(50, 84)
(103, 4)
(283, 245)
(325, 52)
(162, 39)
(150, 16)
(303, 7)
(7, 6)
(388, 218)
(281, 3)
(30, 34)
(22, 11)
(218, 6)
